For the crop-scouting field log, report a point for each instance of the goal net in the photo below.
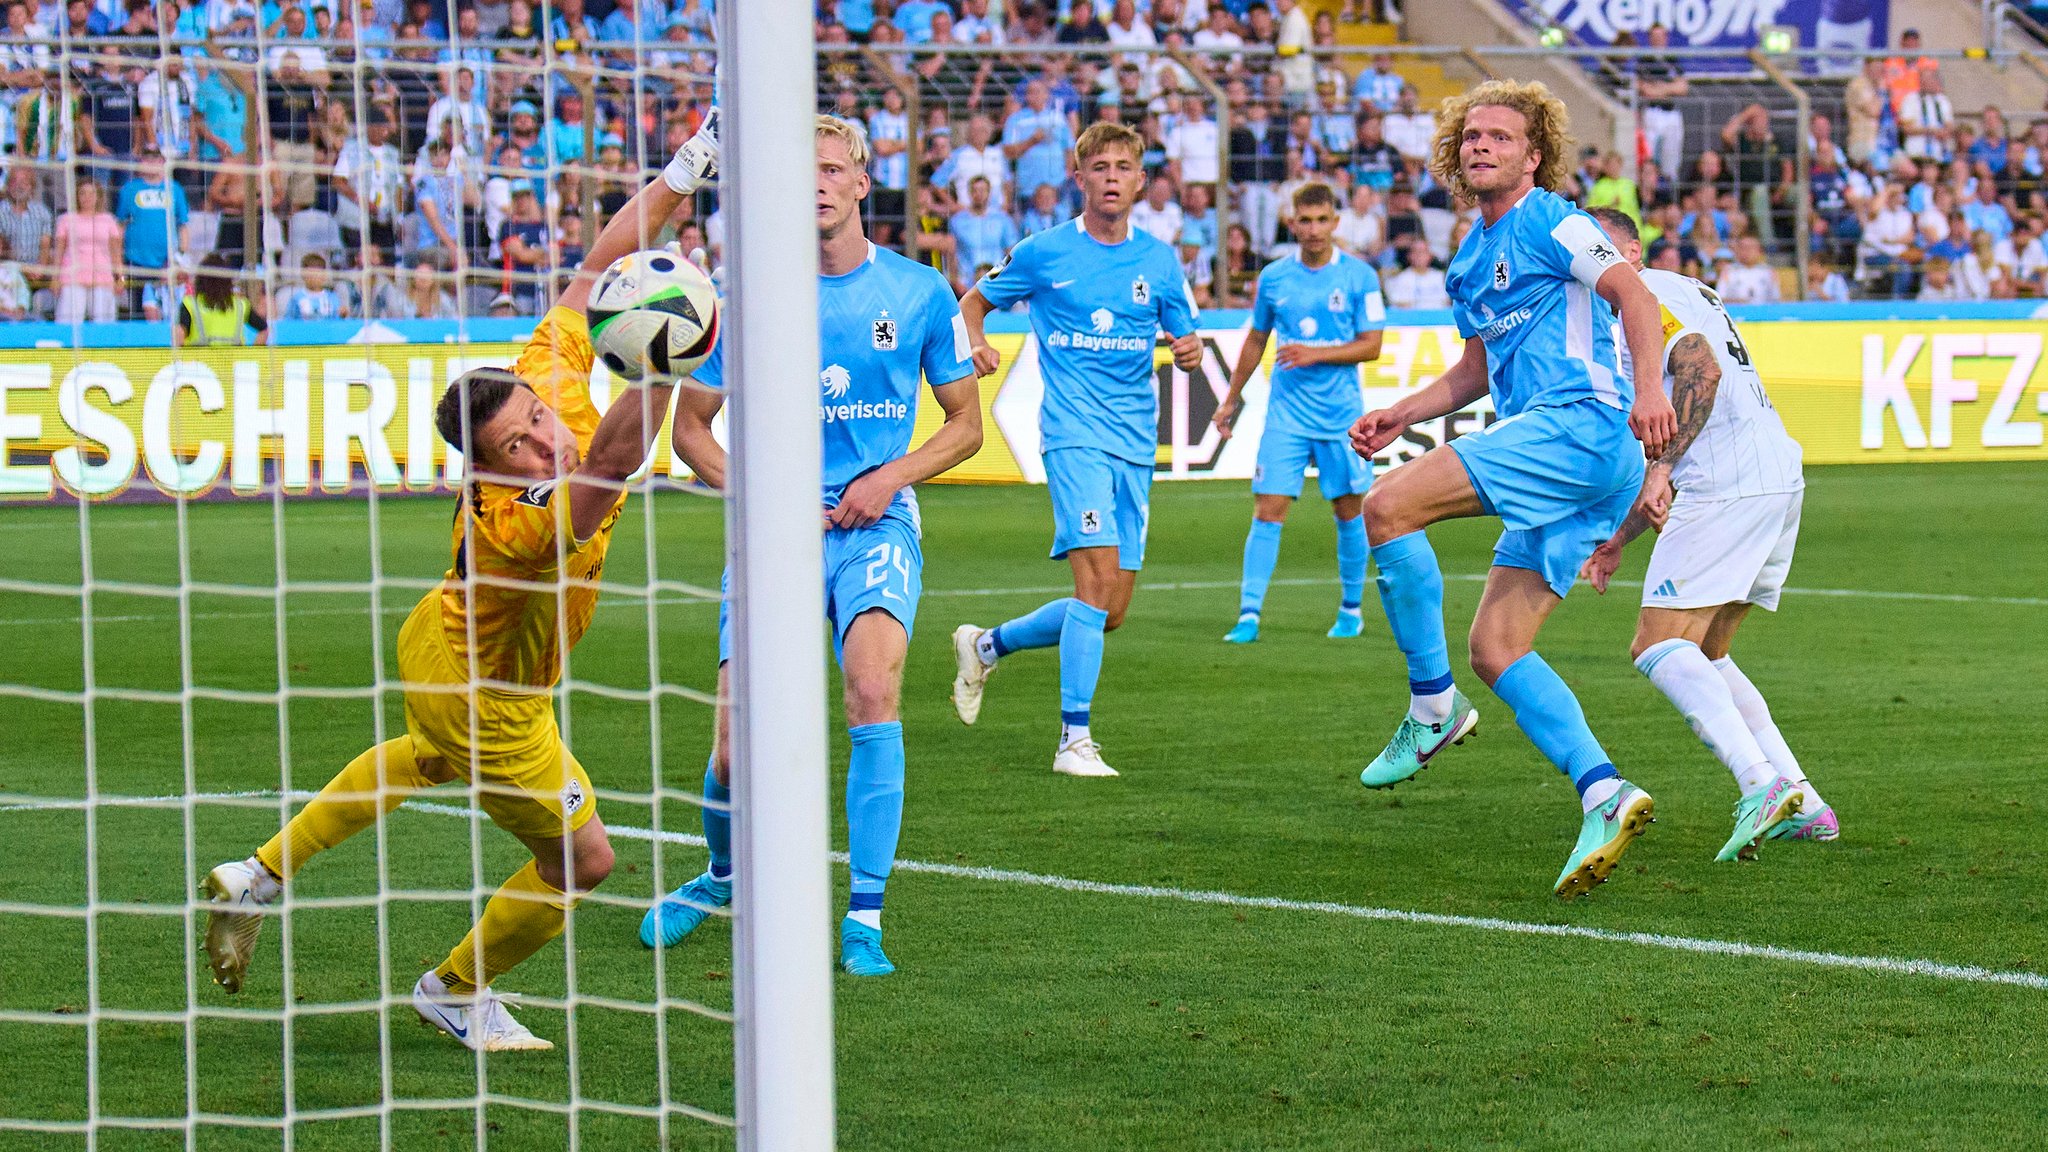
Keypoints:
(276, 234)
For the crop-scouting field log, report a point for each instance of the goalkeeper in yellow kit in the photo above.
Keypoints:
(481, 653)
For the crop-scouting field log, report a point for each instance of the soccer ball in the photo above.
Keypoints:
(653, 315)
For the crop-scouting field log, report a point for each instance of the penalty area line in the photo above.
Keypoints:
(1884, 965)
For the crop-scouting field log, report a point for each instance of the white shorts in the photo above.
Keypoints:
(1715, 552)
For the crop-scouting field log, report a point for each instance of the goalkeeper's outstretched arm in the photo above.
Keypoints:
(635, 226)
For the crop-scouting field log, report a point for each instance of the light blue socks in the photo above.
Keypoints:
(1351, 555)
(1261, 553)
(1412, 594)
(1548, 712)
(874, 814)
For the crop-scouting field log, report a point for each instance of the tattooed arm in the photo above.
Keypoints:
(1695, 381)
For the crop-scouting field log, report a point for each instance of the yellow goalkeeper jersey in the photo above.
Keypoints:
(535, 586)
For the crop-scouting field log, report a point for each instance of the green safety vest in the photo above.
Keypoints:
(224, 327)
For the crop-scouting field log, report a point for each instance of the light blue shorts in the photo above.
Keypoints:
(1560, 479)
(1099, 501)
(1284, 458)
(879, 566)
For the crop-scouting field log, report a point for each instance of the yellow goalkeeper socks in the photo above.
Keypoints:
(348, 804)
(526, 913)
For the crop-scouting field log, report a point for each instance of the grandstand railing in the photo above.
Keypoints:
(657, 83)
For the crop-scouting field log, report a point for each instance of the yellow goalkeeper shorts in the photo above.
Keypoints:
(528, 782)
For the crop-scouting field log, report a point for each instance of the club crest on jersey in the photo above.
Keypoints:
(572, 796)
(1337, 301)
(537, 495)
(884, 330)
(1141, 291)
(1091, 522)
(1500, 272)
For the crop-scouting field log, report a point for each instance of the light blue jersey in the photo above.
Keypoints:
(1524, 286)
(1096, 310)
(879, 326)
(1320, 307)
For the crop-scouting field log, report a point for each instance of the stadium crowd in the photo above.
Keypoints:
(436, 158)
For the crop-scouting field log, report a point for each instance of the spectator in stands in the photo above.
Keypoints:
(294, 98)
(27, 224)
(1378, 88)
(1888, 234)
(426, 296)
(982, 235)
(16, 297)
(1419, 283)
(441, 200)
(1749, 279)
(153, 213)
(164, 98)
(1240, 266)
(1084, 26)
(1374, 161)
(1333, 125)
(980, 157)
(889, 133)
(1905, 73)
(1043, 212)
(1978, 273)
(1257, 152)
(1824, 283)
(2025, 254)
(1834, 216)
(1409, 128)
(1158, 213)
(1038, 139)
(523, 248)
(1938, 282)
(1985, 214)
(369, 182)
(1200, 269)
(1660, 83)
(461, 102)
(1865, 101)
(1293, 39)
(1927, 121)
(1193, 146)
(1989, 148)
(317, 295)
(89, 259)
(976, 26)
(1613, 189)
(1763, 166)
(1219, 32)
(1362, 226)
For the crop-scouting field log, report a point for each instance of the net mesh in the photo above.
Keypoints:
(203, 645)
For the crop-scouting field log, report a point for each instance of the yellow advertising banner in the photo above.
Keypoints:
(99, 422)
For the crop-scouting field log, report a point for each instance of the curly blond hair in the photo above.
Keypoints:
(1550, 135)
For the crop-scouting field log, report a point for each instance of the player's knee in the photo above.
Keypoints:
(871, 697)
(593, 863)
(1114, 619)
(1491, 657)
(721, 764)
(1383, 520)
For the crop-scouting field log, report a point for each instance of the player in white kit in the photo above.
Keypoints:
(1724, 546)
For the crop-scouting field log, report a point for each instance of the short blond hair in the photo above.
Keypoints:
(1549, 124)
(850, 134)
(1102, 136)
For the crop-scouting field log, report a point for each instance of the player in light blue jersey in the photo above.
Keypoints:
(1100, 293)
(1327, 311)
(882, 320)
(1535, 290)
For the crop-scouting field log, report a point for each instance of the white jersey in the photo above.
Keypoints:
(1744, 449)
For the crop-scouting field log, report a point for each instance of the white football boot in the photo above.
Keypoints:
(481, 1022)
(971, 674)
(235, 889)
(1081, 757)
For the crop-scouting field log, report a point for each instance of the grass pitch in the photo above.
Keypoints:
(1033, 1017)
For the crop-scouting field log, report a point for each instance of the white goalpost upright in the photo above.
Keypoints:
(782, 994)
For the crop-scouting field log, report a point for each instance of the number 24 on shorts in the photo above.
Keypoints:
(882, 560)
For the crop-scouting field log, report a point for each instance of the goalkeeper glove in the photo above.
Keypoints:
(696, 162)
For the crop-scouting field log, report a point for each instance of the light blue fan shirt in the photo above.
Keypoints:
(879, 326)
(1320, 307)
(1097, 310)
(1524, 285)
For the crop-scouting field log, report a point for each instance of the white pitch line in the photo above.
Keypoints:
(400, 609)
(1888, 965)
